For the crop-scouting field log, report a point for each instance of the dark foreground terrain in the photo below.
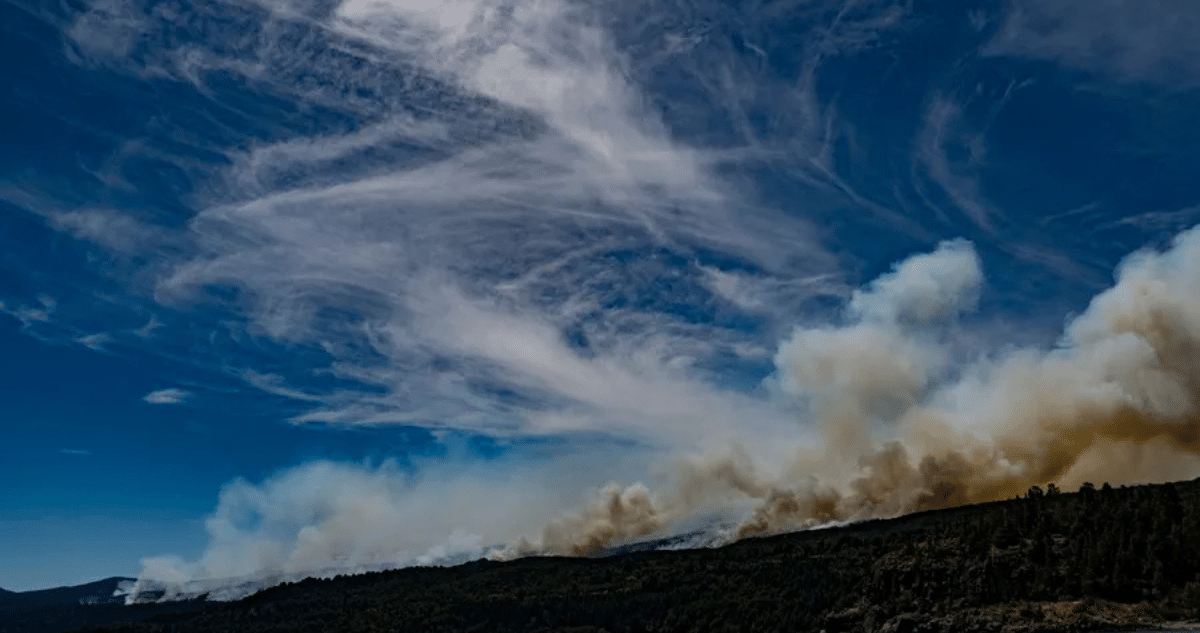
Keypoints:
(69, 608)
(1099, 559)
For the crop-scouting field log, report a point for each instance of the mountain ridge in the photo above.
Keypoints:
(98, 589)
(1098, 559)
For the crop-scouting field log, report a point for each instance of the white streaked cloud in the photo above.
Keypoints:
(1139, 40)
(94, 342)
(507, 272)
(28, 313)
(167, 396)
(487, 251)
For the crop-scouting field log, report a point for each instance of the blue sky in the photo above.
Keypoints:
(440, 270)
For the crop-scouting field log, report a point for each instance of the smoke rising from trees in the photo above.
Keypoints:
(900, 427)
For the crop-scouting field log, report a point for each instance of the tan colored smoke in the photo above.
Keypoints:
(901, 429)
(621, 514)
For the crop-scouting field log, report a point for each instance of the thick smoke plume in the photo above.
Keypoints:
(902, 430)
(901, 427)
(325, 518)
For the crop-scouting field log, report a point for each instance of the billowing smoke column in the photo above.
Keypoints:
(903, 430)
(901, 427)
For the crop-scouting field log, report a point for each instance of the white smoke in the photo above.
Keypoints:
(897, 431)
(860, 377)
(325, 518)
(923, 288)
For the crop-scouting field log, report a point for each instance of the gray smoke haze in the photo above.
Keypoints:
(900, 430)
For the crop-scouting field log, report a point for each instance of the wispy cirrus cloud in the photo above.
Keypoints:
(503, 278)
(28, 313)
(167, 396)
(1152, 41)
(517, 176)
(95, 341)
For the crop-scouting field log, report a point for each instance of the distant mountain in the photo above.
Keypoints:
(98, 592)
(67, 608)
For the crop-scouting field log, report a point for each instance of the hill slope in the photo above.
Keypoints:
(1093, 560)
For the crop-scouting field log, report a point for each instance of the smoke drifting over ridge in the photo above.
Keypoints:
(902, 428)
(1114, 401)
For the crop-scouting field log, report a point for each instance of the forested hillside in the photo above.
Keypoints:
(1099, 558)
